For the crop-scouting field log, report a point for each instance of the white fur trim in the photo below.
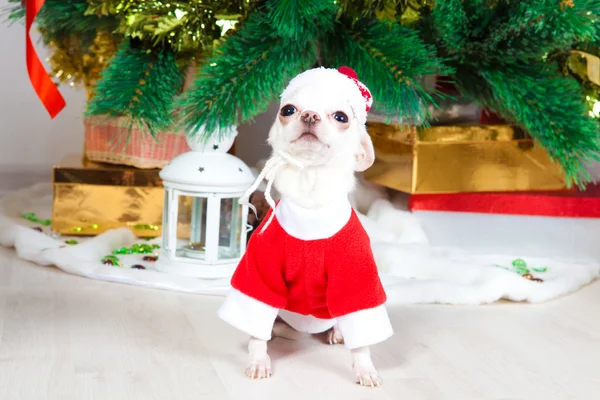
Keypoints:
(306, 323)
(313, 224)
(330, 82)
(365, 327)
(248, 315)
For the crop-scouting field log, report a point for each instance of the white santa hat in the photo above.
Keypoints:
(341, 82)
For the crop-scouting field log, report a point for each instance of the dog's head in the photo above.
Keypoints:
(321, 120)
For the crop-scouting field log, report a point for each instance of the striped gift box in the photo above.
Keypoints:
(109, 140)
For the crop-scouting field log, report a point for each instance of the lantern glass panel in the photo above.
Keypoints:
(191, 226)
(230, 229)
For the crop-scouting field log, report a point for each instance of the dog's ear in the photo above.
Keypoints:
(366, 155)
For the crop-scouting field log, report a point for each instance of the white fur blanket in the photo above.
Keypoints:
(411, 269)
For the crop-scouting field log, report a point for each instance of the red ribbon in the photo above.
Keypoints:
(40, 80)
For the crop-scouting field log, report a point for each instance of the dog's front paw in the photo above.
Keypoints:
(259, 369)
(367, 376)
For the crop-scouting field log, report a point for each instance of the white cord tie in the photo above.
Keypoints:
(269, 172)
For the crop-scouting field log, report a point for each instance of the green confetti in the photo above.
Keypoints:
(71, 241)
(146, 227)
(519, 266)
(137, 248)
(111, 260)
(30, 216)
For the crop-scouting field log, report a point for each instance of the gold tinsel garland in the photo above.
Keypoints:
(585, 67)
(104, 8)
(189, 27)
(75, 66)
(186, 26)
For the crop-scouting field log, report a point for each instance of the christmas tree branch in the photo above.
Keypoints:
(59, 18)
(246, 72)
(451, 23)
(140, 86)
(528, 95)
(506, 62)
(299, 19)
(533, 28)
(392, 61)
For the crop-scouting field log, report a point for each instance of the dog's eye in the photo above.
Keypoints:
(340, 117)
(288, 110)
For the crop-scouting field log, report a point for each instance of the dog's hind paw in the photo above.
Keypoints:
(334, 336)
(259, 369)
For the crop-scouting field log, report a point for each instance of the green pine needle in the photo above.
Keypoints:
(247, 72)
(391, 60)
(529, 96)
(140, 86)
(451, 23)
(299, 19)
(528, 30)
(503, 59)
(59, 19)
(15, 11)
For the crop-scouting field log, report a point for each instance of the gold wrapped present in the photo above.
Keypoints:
(90, 198)
(454, 159)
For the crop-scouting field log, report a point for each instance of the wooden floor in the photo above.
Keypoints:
(63, 337)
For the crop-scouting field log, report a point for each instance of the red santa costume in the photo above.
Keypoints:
(312, 267)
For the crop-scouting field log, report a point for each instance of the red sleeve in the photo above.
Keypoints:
(353, 282)
(260, 271)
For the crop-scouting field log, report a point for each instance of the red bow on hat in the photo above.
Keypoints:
(366, 94)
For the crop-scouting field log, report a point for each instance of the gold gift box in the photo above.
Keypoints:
(453, 159)
(90, 198)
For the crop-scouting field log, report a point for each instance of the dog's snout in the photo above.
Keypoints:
(310, 117)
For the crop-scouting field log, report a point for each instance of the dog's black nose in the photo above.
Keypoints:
(310, 117)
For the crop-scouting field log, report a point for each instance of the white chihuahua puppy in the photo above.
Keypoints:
(310, 262)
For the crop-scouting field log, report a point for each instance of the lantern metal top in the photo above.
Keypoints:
(208, 167)
(207, 172)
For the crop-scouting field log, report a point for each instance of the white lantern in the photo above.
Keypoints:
(204, 226)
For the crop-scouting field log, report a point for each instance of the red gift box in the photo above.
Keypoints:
(567, 203)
